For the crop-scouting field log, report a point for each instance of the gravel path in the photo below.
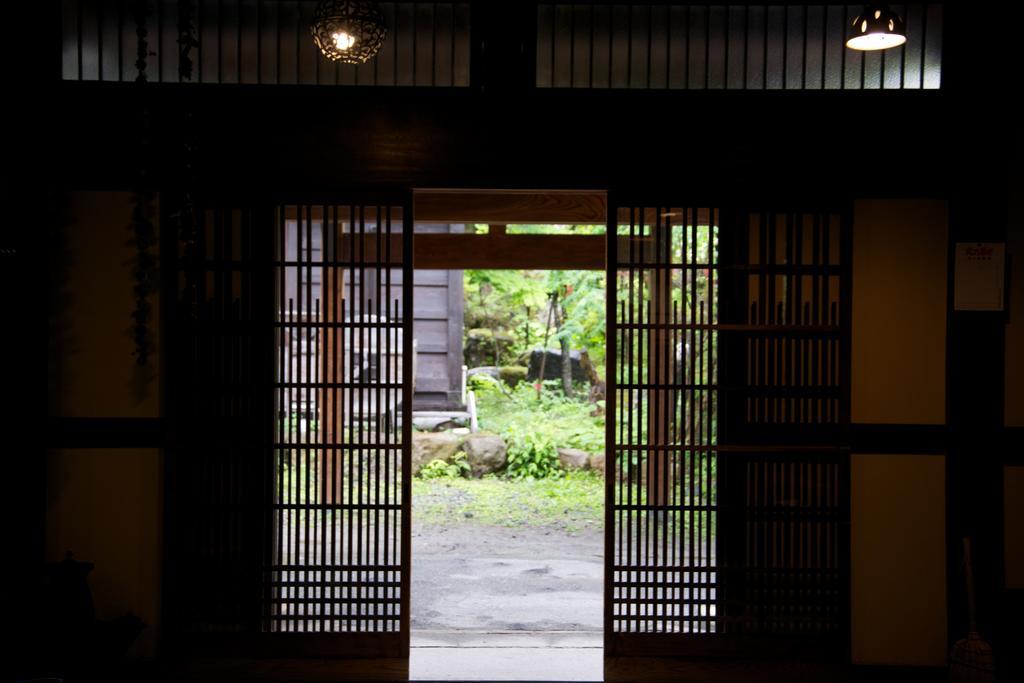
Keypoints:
(468, 576)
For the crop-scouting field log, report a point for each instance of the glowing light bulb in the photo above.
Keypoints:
(876, 41)
(342, 40)
(877, 28)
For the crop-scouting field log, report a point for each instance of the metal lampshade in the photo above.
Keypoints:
(876, 28)
(349, 31)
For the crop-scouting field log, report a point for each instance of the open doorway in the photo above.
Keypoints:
(508, 462)
(711, 461)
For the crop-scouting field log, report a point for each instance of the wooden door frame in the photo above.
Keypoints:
(459, 251)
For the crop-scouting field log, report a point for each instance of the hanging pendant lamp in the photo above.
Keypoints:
(876, 28)
(349, 31)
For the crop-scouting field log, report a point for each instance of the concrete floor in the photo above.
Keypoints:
(502, 593)
(500, 604)
(530, 656)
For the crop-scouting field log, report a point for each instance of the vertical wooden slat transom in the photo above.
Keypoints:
(260, 42)
(729, 46)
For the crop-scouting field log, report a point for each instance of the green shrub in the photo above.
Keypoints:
(533, 427)
(441, 469)
(532, 454)
(482, 383)
(568, 421)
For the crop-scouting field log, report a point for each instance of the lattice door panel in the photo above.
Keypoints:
(794, 286)
(342, 396)
(728, 384)
(789, 575)
(291, 391)
(219, 370)
(784, 427)
(662, 488)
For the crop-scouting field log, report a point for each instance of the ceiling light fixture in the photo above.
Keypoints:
(349, 31)
(876, 28)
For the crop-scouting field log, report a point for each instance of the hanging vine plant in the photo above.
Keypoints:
(143, 231)
(140, 12)
(186, 38)
(186, 213)
(144, 272)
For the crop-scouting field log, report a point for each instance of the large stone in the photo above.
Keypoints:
(553, 364)
(428, 446)
(573, 459)
(512, 374)
(478, 348)
(487, 347)
(485, 453)
(432, 423)
(436, 421)
(504, 341)
(596, 462)
(488, 370)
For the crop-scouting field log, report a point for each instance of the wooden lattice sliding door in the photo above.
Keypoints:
(727, 501)
(662, 494)
(339, 558)
(219, 368)
(292, 375)
(785, 422)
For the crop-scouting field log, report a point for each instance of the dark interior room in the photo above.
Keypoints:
(262, 231)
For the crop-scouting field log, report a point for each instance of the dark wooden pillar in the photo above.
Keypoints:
(332, 412)
(660, 363)
(977, 93)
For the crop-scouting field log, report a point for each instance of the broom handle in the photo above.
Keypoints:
(972, 625)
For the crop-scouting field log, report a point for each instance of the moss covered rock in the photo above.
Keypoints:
(429, 446)
(485, 453)
(512, 374)
(479, 347)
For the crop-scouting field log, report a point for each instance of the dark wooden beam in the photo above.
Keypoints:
(106, 432)
(540, 252)
(511, 206)
(898, 439)
(319, 141)
(455, 251)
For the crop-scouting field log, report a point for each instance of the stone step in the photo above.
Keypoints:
(450, 414)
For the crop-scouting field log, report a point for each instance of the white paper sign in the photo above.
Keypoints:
(980, 276)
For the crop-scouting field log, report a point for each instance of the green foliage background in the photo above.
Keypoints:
(514, 302)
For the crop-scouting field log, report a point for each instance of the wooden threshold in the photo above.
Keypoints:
(295, 669)
(675, 669)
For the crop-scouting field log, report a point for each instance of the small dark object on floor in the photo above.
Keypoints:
(72, 641)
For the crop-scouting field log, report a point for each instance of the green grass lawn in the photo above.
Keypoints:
(571, 503)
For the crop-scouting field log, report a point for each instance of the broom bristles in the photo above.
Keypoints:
(971, 660)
